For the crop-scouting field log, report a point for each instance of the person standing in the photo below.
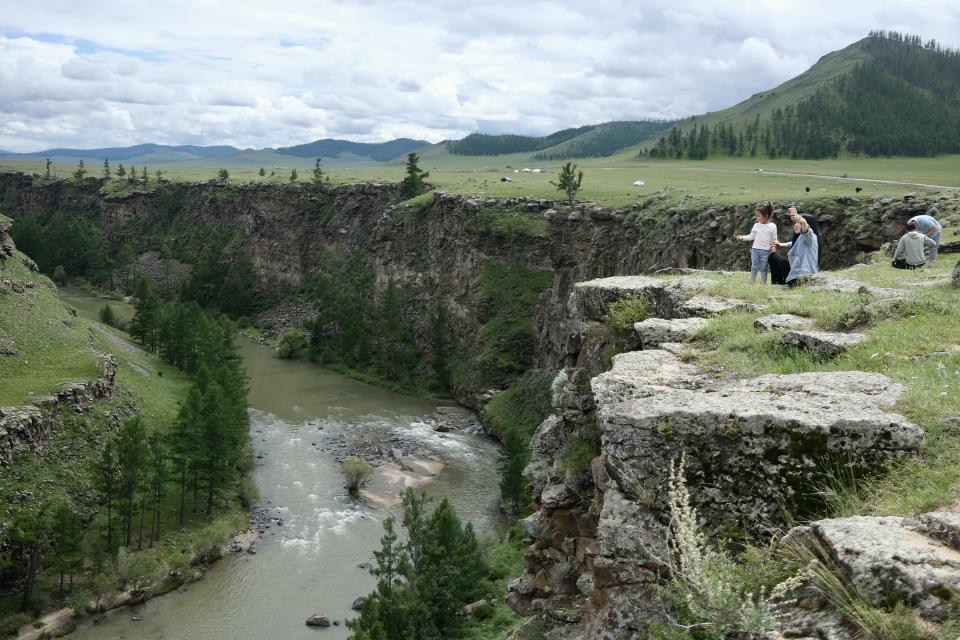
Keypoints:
(913, 247)
(928, 226)
(763, 235)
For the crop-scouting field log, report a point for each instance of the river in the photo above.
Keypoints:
(310, 563)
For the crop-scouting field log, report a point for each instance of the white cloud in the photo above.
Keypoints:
(257, 74)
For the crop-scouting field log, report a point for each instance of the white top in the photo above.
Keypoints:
(762, 235)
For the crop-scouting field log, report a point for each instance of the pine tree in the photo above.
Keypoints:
(131, 454)
(318, 175)
(67, 533)
(106, 168)
(107, 472)
(413, 184)
(80, 173)
(293, 176)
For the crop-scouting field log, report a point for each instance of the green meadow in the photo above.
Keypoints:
(607, 181)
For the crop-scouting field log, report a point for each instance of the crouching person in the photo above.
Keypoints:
(912, 249)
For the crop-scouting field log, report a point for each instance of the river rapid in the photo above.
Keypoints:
(309, 564)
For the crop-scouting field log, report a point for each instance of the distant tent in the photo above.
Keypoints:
(639, 183)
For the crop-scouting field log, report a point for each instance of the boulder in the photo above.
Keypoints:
(591, 299)
(915, 561)
(705, 306)
(782, 321)
(752, 446)
(358, 603)
(317, 620)
(655, 331)
(955, 278)
(826, 343)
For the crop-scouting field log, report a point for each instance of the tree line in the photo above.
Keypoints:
(902, 99)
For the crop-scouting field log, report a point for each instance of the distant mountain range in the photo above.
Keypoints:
(329, 148)
(154, 154)
(888, 94)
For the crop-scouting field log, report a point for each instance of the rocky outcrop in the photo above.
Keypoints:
(752, 446)
(885, 561)
(25, 428)
(782, 321)
(828, 344)
(654, 332)
(754, 450)
(955, 276)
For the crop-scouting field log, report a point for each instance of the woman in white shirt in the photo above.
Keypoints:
(763, 235)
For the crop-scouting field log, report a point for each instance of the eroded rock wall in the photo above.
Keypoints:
(753, 449)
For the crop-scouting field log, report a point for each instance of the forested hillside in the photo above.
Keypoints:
(889, 94)
(583, 142)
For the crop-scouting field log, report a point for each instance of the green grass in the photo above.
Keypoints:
(51, 344)
(609, 181)
(509, 222)
(901, 339)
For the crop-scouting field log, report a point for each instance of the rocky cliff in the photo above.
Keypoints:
(440, 245)
(757, 452)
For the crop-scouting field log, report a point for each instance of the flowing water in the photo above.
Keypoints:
(310, 563)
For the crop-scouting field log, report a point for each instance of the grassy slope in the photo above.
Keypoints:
(51, 344)
(51, 353)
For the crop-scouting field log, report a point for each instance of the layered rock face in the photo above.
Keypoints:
(754, 451)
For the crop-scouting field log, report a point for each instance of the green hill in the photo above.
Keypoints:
(591, 141)
(888, 94)
(602, 140)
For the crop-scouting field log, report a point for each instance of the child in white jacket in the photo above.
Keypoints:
(763, 234)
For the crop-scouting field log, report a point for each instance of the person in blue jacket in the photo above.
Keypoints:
(805, 249)
(928, 226)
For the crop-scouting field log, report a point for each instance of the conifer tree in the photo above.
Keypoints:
(413, 184)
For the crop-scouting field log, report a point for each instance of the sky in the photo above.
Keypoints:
(269, 74)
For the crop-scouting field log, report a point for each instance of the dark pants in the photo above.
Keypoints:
(902, 264)
(779, 268)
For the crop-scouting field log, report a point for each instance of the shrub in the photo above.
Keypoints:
(292, 344)
(623, 313)
(357, 472)
(584, 448)
(704, 583)
(60, 275)
(12, 624)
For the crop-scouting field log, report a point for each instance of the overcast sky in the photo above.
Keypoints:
(266, 74)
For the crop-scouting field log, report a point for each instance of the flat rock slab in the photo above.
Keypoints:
(751, 445)
(828, 282)
(653, 332)
(782, 321)
(591, 299)
(826, 343)
(911, 560)
(706, 306)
